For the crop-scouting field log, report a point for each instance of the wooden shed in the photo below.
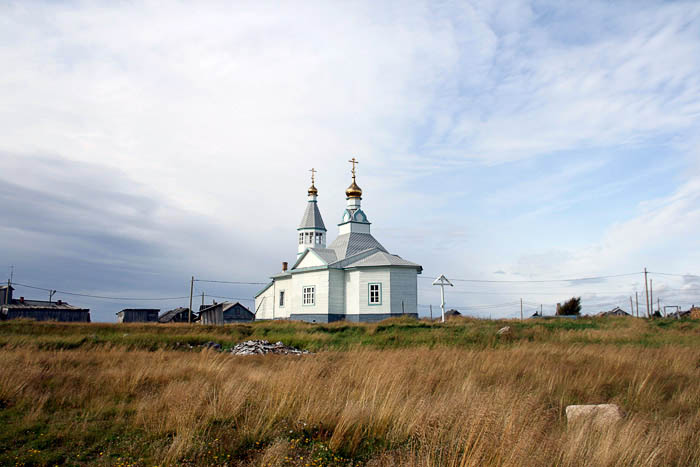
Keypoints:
(178, 315)
(138, 315)
(225, 313)
(39, 310)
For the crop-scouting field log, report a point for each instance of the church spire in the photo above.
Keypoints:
(353, 190)
(312, 231)
(312, 189)
(354, 219)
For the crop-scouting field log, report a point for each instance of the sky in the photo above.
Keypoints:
(143, 143)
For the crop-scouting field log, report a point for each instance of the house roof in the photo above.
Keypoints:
(381, 258)
(41, 305)
(225, 306)
(312, 217)
(349, 244)
(169, 315)
(141, 309)
(326, 254)
(617, 311)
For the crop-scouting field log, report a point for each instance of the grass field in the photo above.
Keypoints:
(393, 393)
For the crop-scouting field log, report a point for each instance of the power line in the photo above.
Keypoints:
(677, 275)
(231, 282)
(96, 296)
(541, 280)
(231, 298)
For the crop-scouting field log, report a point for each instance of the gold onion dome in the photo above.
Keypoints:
(353, 190)
(312, 190)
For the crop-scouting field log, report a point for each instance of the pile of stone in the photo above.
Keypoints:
(265, 347)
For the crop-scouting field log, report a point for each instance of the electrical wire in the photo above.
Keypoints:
(96, 296)
(231, 282)
(669, 274)
(524, 281)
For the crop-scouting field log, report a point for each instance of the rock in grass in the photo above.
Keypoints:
(505, 331)
(258, 347)
(599, 415)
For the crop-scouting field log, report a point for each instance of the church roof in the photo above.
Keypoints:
(352, 243)
(326, 254)
(381, 258)
(312, 217)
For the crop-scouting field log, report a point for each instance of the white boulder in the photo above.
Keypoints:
(503, 331)
(597, 414)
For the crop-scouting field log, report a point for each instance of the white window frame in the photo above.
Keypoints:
(378, 293)
(308, 295)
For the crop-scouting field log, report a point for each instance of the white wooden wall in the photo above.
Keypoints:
(404, 286)
(320, 280)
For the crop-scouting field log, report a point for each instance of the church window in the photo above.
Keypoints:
(308, 295)
(301, 238)
(281, 298)
(318, 237)
(375, 294)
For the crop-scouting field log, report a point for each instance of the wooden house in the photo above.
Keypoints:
(225, 313)
(39, 310)
(178, 315)
(138, 315)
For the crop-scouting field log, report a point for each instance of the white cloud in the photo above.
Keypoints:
(213, 113)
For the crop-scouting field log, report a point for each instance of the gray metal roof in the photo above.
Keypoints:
(326, 254)
(41, 305)
(169, 315)
(352, 243)
(312, 217)
(381, 258)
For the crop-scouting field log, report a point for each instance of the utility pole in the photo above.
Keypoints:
(636, 299)
(431, 313)
(651, 294)
(646, 289)
(540, 309)
(521, 309)
(658, 305)
(189, 313)
(631, 306)
(51, 294)
(202, 298)
(442, 282)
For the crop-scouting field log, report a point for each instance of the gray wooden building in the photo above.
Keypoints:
(138, 315)
(39, 310)
(225, 313)
(178, 315)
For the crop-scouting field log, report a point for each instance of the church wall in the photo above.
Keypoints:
(264, 303)
(370, 275)
(310, 260)
(352, 292)
(336, 302)
(319, 279)
(404, 287)
(285, 284)
(353, 227)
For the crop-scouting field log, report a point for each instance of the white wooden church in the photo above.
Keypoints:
(353, 279)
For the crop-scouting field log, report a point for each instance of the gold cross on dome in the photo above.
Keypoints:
(353, 161)
(313, 173)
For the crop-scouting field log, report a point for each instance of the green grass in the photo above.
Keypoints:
(396, 333)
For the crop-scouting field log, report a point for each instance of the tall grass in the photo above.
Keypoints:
(395, 333)
(407, 406)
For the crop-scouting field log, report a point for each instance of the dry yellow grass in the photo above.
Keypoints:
(420, 407)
